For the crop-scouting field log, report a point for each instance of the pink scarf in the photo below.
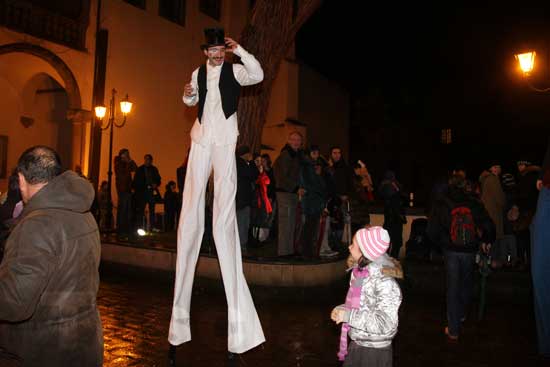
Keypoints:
(353, 299)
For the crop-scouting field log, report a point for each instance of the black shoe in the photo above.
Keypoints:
(232, 359)
(172, 356)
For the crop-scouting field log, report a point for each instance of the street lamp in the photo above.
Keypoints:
(526, 63)
(100, 112)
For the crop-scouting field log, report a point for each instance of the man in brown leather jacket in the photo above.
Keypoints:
(49, 276)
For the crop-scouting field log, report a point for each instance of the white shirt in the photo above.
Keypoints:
(215, 128)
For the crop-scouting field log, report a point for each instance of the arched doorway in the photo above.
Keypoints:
(66, 75)
(42, 104)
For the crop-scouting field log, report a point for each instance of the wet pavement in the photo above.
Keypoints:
(135, 309)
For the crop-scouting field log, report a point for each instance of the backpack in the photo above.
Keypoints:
(462, 230)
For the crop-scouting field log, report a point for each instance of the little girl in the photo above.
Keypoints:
(370, 313)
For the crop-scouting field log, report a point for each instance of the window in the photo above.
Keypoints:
(212, 8)
(137, 3)
(446, 136)
(173, 10)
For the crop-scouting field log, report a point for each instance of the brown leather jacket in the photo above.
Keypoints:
(49, 279)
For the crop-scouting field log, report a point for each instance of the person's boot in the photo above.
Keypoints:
(172, 356)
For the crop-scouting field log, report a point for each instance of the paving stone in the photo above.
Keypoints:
(135, 313)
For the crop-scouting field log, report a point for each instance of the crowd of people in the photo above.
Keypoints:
(49, 274)
(302, 200)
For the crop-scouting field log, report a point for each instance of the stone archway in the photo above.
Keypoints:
(75, 114)
(71, 86)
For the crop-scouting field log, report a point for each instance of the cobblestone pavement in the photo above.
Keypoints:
(135, 311)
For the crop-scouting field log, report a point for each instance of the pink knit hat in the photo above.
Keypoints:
(373, 242)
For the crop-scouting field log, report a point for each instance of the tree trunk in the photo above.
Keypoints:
(268, 35)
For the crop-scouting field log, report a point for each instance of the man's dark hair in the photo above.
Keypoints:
(242, 150)
(39, 164)
(335, 147)
(122, 151)
(314, 148)
(148, 156)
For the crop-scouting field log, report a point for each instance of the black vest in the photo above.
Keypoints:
(230, 89)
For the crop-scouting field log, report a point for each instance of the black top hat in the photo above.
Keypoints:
(213, 37)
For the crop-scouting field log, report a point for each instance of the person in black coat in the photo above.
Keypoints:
(13, 197)
(7, 210)
(313, 203)
(170, 206)
(460, 250)
(146, 183)
(246, 181)
(394, 218)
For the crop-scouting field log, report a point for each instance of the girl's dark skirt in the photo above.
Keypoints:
(359, 356)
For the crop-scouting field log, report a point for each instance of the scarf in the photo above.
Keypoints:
(263, 181)
(353, 299)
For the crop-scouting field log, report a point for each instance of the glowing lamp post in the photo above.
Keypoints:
(526, 61)
(100, 112)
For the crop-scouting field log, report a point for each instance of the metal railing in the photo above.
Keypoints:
(25, 17)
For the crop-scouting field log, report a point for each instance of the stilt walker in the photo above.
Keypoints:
(215, 87)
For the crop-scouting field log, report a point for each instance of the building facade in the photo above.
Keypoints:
(54, 54)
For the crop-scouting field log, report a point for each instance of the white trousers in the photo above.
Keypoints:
(244, 328)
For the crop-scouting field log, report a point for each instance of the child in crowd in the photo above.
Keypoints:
(370, 313)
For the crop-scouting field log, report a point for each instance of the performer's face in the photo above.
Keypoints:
(216, 55)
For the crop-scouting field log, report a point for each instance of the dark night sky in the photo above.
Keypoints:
(438, 66)
(451, 64)
(417, 43)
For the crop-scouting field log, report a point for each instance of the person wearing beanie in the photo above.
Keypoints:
(370, 314)
(246, 178)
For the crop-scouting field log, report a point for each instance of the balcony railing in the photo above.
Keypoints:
(25, 17)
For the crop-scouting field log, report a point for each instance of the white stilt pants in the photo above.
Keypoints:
(244, 329)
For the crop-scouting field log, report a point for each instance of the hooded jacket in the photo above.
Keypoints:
(49, 279)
